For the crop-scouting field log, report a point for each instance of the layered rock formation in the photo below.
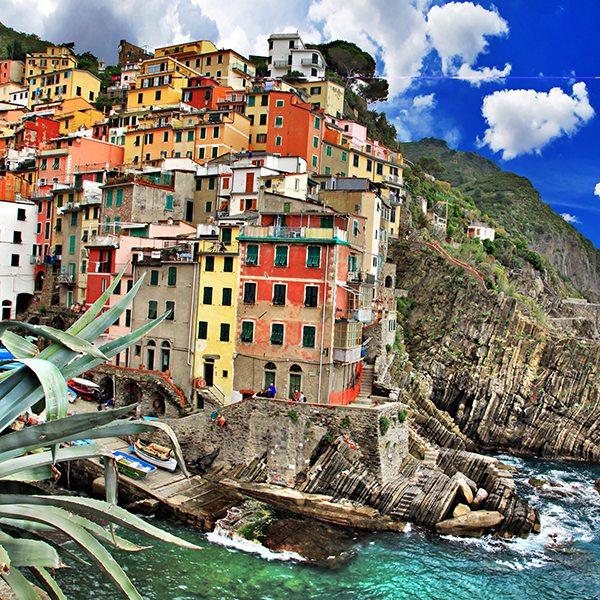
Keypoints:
(506, 378)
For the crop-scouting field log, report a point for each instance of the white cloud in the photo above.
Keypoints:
(485, 74)
(426, 101)
(524, 121)
(597, 190)
(459, 32)
(569, 218)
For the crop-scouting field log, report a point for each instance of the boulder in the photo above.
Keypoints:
(460, 510)
(597, 485)
(480, 497)
(464, 487)
(473, 524)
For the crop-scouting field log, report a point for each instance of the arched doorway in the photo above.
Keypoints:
(24, 301)
(150, 352)
(108, 386)
(389, 281)
(6, 309)
(270, 374)
(133, 392)
(39, 281)
(165, 356)
(295, 380)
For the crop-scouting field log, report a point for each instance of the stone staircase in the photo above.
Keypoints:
(366, 386)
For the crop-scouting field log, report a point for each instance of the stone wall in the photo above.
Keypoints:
(287, 434)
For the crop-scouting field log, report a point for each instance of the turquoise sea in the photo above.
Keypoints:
(561, 562)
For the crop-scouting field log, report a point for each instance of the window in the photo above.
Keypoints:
(278, 140)
(169, 202)
(247, 331)
(262, 119)
(311, 296)
(170, 306)
(190, 136)
(172, 276)
(226, 235)
(72, 241)
(128, 317)
(215, 132)
(201, 152)
(178, 136)
(152, 309)
(207, 295)
(313, 256)
(252, 254)
(157, 95)
(119, 200)
(165, 136)
(228, 264)
(281, 256)
(328, 150)
(279, 103)
(226, 297)
(278, 122)
(109, 197)
(308, 336)
(209, 263)
(154, 277)
(251, 100)
(314, 161)
(73, 219)
(277, 334)
(202, 133)
(369, 164)
(317, 122)
(211, 183)
(224, 334)
(14, 260)
(264, 100)
(326, 222)
(279, 294)
(56, 163)
(355, 159)
(165, 356)
(249, 292)
(202, 330)
(21, 214)
(379, 168)
(261, 138)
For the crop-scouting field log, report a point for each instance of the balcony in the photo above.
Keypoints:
(309, 62)
(394, 179)
(275, 232)
(104, 241)
(65, 278)
(281, 64)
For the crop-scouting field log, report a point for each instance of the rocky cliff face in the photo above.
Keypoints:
(508, 379)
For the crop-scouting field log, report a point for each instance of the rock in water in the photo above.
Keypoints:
(464, 487)
(480, 497)
(460, 510)
(473, 524)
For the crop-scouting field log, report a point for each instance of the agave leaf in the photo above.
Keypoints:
(20, 586)
(110, 479)
(74, 343)
(174, 442)
(15, 465)
(41, 473)
(99, 532)
(74, 426)
(53, 384)
(30, 553)
(101, 510)
(48, 583)
(60, 520)
(4, 559)
(18, 346)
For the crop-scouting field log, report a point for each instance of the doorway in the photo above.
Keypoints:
(189, 211)
(295, 380)
(209, 372)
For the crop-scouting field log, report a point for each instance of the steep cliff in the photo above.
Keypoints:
(515, 204)
(505, 375)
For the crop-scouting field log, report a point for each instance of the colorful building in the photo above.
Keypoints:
(287, 53)
(325, 95)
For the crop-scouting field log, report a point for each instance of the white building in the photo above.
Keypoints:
(18, 224)
(481, 231)
(288, 53)
(19, 96)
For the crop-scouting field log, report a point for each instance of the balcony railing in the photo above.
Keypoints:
(311, 63)
(293, 233)
(104, 240)
(65, 278)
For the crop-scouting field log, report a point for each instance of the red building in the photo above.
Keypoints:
(294, 128)
(35, 132)
(204, 92)
(296, 326)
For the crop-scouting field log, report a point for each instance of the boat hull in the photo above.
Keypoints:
(168, 465)
(132, 466)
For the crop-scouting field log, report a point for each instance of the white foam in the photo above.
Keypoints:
(223, 538)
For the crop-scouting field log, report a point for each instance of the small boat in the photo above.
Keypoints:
(132, 466)
(84, 388)
(155, 454)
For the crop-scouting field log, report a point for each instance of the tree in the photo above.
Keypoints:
(294, 76)
(29, 523)
(15, 51)
(375, 89)
(347, 59)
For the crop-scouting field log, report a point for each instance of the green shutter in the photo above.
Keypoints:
(119, 197)
(73, 219)
(252, 254)
(172, 276)
(152, 309)
(326, 222)
(226, 297)
(72, 239)
(281, 256)
(207, 297)
(169, 202)
(308, 337)
(277, 334)
(202, 330)
(313, 256)
(109, 197)
(153, 277)
(117, 224)
(247, 331)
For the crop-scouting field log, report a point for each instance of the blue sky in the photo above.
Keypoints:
(512, 79)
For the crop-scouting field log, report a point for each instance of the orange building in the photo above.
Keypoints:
(14, 186)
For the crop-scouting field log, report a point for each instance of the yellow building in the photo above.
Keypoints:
(159, 83)
(215, 320)
(54, 58)
(76, 113)
(62, 85)
(186, 52)
(228, 68)
(324, 94)
(219, 133)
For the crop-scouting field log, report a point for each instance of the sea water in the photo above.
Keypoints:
(563, 561)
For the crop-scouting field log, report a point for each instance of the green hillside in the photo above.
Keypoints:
(513, 202)
(21, 43)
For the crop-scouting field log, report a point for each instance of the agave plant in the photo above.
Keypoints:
(29, 523)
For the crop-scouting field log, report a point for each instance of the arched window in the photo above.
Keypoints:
(150, 352)
(6, 309)
(295, 380)
(270, 374)
(389, 282)
(165, 356)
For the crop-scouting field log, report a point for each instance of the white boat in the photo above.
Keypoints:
(153, 455)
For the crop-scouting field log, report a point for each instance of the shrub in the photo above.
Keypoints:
(345, 422)
(293, 414)
(402, 415)
(384, 425)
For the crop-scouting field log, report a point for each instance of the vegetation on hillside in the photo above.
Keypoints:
(15, 44)
(512, 202)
